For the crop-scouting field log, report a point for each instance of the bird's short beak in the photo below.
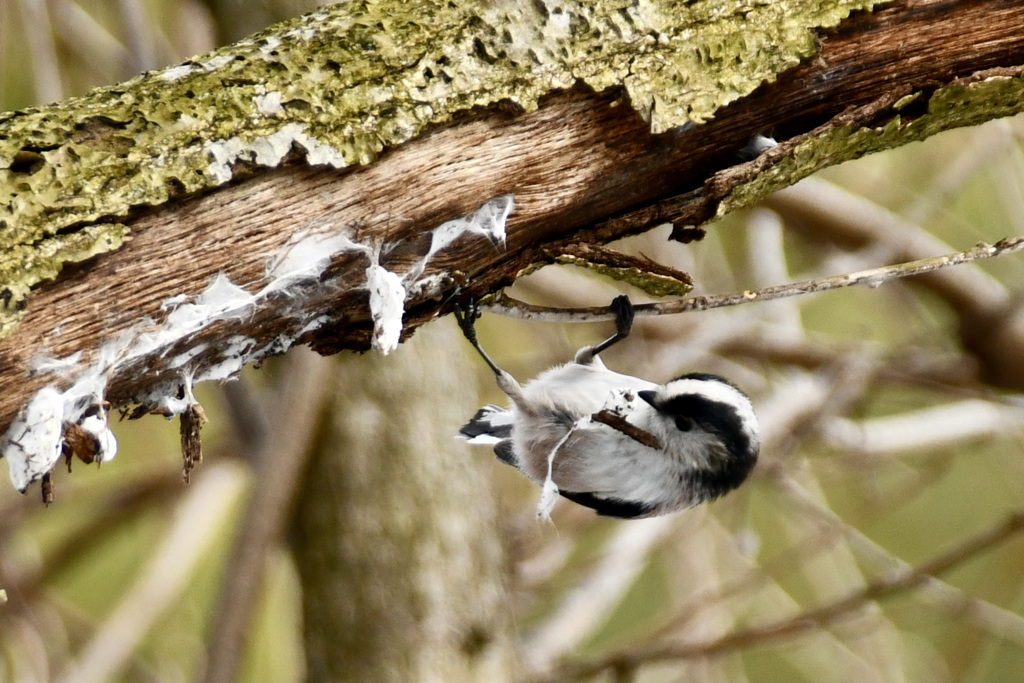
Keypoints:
(650, 397)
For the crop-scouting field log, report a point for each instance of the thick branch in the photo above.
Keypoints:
(584, 167)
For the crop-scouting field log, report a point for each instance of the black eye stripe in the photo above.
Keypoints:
(720, 419)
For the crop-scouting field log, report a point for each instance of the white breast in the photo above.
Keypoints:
(560, 398)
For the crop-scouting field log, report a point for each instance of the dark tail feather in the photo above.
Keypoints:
(490, 425)
(505, 453)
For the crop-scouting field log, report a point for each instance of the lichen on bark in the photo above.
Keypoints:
(341, 85)
(968, 102)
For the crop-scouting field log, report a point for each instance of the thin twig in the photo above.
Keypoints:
(904, 579)
(843, 217)
(873, 277)
(619, 423)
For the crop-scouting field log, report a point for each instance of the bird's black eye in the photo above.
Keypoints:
(683, 423)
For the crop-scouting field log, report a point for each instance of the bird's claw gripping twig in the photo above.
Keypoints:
(623, 309)
(466, 314)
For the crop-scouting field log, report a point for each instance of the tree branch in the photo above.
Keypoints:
(873, 277)
(583, 167)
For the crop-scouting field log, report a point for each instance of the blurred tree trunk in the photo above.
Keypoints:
(396, 544)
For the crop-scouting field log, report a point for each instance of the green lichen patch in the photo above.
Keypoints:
(679, 61)
(966, 103)
(341, 85)
(25, 265)
(652, 278)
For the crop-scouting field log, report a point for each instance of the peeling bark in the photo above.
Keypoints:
(584, 167)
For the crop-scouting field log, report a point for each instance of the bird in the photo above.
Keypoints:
(623, 446)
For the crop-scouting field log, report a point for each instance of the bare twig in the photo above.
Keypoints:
(843, 217)
(901, 580)
(619, 423)
(873, 277)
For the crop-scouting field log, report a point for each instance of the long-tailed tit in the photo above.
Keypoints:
(618, 444)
